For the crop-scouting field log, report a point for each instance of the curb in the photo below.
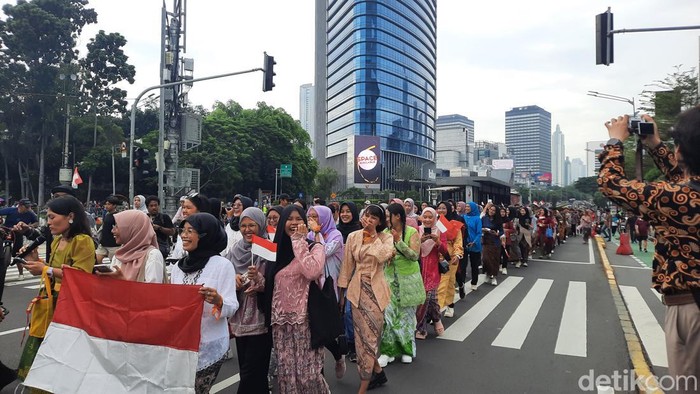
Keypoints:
(646, 381)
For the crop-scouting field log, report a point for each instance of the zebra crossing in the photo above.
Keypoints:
(573, 336)
(29, 281)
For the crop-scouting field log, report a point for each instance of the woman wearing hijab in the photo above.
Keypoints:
(349, 218)
(253, 339)
(136, 259)
(411, 216)
(407, 291)
(491, 243)
(472, 245)
(140, 204)
(432, 248)
(233, 232)
(287, 283)
(524, 235)
(72, 245)
(455, 249)
(191, 204)
(546, 221)
(204, 238)
(362, 278)
(323, 230)
(273, 219)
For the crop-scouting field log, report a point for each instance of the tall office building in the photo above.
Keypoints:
(375, 76)
(593, 149)
(454, 134)
(529, 137)
(578, 170)
(567, 172)
(558, 155)
(306, 112)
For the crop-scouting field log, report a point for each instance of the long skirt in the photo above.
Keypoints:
(491, 258)
(205, 378)
(298, 365)
(368, 322)
(27, 359)
(399, 328)
(446, 289)
(429, 310)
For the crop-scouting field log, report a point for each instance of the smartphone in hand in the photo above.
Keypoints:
(103, 268)
(427, 230)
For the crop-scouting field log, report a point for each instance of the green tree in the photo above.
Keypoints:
(352, 193)
(325, 179)
(588, 185)
(404, 173)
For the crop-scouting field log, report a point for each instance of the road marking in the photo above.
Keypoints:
(561, 261)
(631, 267)
(225, 383)
(647, 326)
(465, 325)
(11, 331)
(23, 282)
(468, 287)
(572, 338)
(657, 295)
(515, 331)
(637, 259)
(34, 287)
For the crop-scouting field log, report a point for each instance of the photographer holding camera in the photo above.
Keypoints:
(673, 208)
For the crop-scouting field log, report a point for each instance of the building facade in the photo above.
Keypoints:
(454, 134)
(376, 76)
(593, 149)
(306, 113)
(578, 170)
(529, 137)
(558, 158)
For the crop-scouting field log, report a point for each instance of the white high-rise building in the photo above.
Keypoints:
(567, 172)
(593, 149)
(558, 156)
(306, 112)
(529, 137)
(578, 170)
(454, 134)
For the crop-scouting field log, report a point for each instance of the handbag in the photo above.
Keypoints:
(40, 309)
(325, 321)
(549, 233)
(443, 267)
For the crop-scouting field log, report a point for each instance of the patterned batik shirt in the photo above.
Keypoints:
(671, 206)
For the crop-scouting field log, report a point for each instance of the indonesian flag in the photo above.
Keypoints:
(77, 180)
(450, 227)
(271, 232)
(442, 224)
(117, 336)
(264, 248)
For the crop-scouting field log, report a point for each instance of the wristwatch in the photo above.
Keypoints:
(49, 272)
(614, 141)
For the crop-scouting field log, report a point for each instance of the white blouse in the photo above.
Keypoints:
(219, 274)
(155, 267)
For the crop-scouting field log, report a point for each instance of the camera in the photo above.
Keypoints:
(640, 127)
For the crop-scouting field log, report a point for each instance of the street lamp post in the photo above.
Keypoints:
(466, 147)
(65, 175)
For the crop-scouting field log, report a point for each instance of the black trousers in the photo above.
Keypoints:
(7, 375)
(253, 362)
(473, 258)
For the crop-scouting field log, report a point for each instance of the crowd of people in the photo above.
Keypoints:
(395, 268)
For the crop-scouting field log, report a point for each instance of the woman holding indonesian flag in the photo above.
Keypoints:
(453, 224)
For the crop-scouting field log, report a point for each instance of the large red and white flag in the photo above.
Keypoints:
(116, 336)
(442, 224)
(264, 248)
(271, 232)
(77, 180)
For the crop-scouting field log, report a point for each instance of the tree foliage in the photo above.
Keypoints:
(326, 178)
(405, 172)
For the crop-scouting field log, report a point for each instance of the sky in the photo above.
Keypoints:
(492, 55)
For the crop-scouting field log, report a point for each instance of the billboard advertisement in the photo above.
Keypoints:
(368, 169)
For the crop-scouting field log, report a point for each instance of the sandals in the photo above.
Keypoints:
(439, 328)
(420, 335)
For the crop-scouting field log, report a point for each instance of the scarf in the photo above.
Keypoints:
(410, 213)
(212, 240)
(285, 255)
(353, 225)
(427, 246)
(143, 207)
(241, 253)
(235, 221)
(328, 229)
(137, 236)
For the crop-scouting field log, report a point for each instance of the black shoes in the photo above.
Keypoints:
(462, 294)
(377, 380)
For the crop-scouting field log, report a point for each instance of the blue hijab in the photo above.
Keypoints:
(473, 220)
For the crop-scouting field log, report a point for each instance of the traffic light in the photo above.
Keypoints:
(604, 38)
(268, 72)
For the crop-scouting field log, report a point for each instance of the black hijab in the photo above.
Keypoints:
(285, 255)
(212, 240)
(353, 225)
(235, 220)
(451, 214)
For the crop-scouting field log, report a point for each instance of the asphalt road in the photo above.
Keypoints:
(550, 327)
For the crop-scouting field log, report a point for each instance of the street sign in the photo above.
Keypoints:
(285, 171)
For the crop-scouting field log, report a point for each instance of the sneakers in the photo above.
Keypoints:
(517, 265)
(340, 368)
(377, 380)
(524, 264)
(504, 271)
(420, 335)
(406, 359)
(20, 277)
(384, 360)
(494, 282)
(474, 287)
(462, 293)
(449, 312)
(352, 356)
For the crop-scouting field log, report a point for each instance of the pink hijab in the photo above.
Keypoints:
(427, 246)
(136, 231)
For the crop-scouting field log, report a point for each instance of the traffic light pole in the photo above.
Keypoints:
(133, 118)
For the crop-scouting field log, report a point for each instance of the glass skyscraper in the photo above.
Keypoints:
(378, 66)
(529, 137)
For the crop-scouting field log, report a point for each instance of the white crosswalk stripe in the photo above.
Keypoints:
(12, 279)
(572, 338)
